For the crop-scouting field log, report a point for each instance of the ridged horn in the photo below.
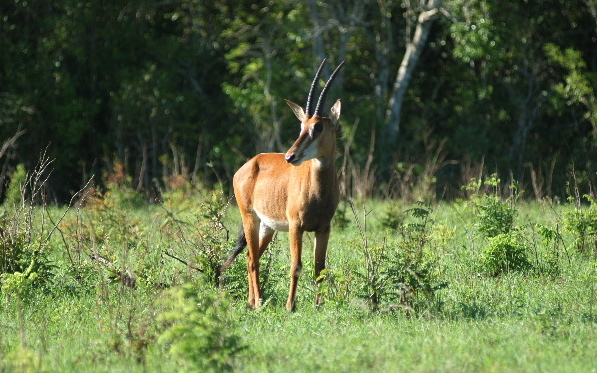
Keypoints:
(325, 90)
(315, 80)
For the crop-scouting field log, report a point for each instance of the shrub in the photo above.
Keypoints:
(335, 286)
(110, 234)
(119, 187)
(24, 254)
(22, 264)
(196, 227)
(581, 222)
(393, 218)
(504, 253)
(494, 215)
(552, 239)
(412, 270)
(371, 282)
(406, 276)
(14, 197)
(197, 329)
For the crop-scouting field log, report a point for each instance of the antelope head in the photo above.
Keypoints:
(317, 138)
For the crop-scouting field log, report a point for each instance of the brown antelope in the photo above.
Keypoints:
(295, 192)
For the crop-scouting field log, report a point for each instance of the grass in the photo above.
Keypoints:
(342, 343)
(84, 318)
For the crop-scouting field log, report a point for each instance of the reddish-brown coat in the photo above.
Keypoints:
(297, 191)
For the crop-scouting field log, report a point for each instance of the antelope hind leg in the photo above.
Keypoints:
(321, 245)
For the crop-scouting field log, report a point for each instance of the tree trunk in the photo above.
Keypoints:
(408, 65)
(592, 5)
(383, 49)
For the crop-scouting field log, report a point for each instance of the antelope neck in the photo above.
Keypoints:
(324, 173)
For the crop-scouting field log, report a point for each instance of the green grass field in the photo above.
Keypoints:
(424, 290)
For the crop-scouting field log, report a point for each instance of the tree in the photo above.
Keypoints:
(188, 86)
(415, 45)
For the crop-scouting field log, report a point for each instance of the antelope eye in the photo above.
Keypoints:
(318, 127)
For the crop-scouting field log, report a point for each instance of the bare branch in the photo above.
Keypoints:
(10, 142)
(183, 262)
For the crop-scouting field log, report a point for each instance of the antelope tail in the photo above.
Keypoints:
(241, 243)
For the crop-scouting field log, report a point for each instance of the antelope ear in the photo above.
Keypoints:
(336, 112)
(298, 111)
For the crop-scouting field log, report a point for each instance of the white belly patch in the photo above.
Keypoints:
(272, 224)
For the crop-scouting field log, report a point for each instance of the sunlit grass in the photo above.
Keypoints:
(86, 320)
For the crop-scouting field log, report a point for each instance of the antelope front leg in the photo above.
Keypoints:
(296, 245)
(321, 246)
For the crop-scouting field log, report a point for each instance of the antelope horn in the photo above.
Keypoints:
(325, 90)
(315, 80)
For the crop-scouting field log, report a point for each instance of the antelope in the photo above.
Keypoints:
(295, 192)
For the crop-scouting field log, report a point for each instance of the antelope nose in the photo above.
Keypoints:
(290, 158)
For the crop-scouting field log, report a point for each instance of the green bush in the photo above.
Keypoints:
(412, 269)
(198, 331)
(23, 266)
(111, 235)
(581, 222)
(24, 253)
(24, 257)
(405, 276)
(393, 217)
(14, 196)
(196, 229)
(335, 286)
(504, 253)
(553, 242)
(495, 216)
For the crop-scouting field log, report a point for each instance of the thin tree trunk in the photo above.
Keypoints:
(197, 162)
(143, 170)
(592, 5)
(409, 62)
(6, 149)
(383, 50)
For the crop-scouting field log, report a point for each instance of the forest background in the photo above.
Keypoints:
(434, 92)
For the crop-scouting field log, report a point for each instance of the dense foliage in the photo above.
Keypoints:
(474, 285)
(192, 88)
